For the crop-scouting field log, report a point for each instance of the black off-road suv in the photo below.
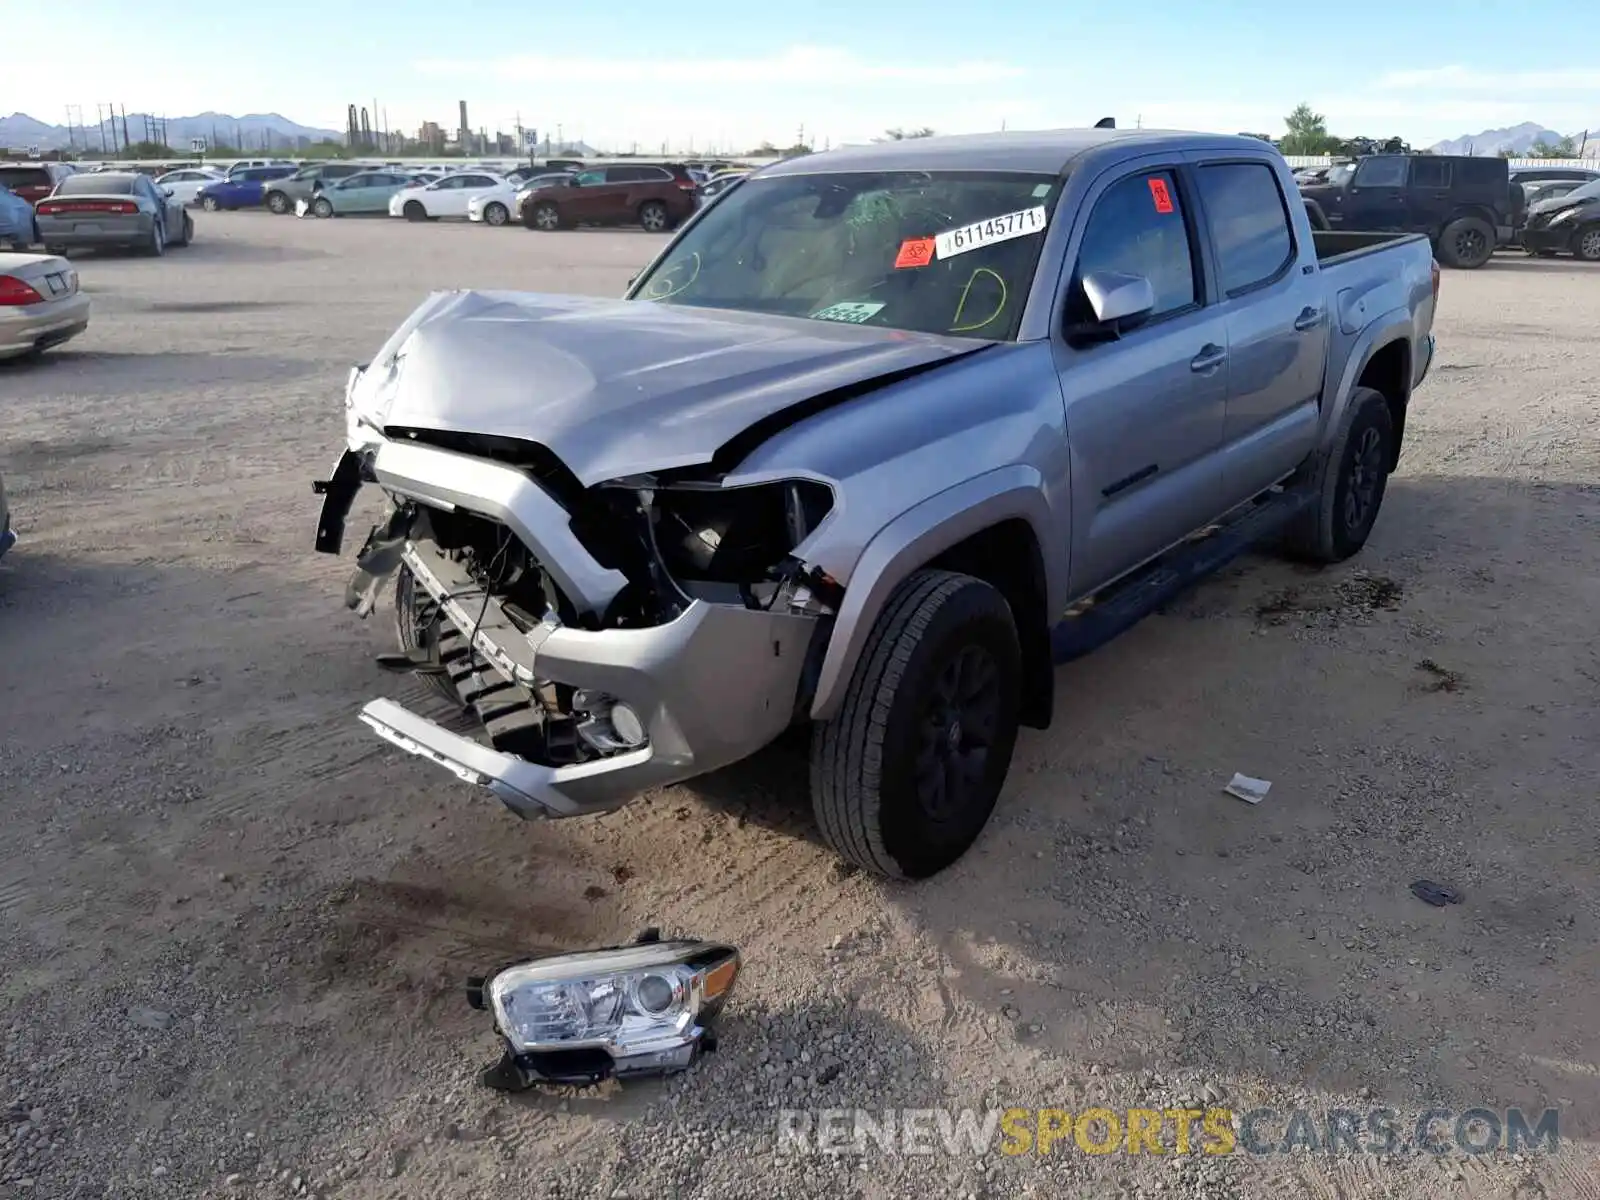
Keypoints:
(1466, 205)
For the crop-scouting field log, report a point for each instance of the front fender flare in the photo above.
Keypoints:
(916, 537)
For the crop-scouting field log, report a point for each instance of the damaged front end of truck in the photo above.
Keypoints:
(614, 630)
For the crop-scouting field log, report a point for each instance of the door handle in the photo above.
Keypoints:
(1211, 357)
(1309, 318)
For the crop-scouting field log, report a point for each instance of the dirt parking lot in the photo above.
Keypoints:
(234, 925)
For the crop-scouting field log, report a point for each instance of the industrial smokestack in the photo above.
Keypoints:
(466, 131)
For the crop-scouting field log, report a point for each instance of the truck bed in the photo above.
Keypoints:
(1341, 245)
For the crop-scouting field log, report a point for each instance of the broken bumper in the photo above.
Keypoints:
(710, 687)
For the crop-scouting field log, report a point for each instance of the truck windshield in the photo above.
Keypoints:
(945, 252)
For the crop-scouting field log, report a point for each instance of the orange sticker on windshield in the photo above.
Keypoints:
(1159, 193)
(914, 252)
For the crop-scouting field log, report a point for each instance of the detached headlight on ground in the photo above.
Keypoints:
(627, 1010)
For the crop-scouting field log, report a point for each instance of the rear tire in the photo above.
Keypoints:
(496, 214)
(904, 779)
(156, 246)
(1466, 243)
(653, 216)
(57, 251)
(277, 202)
(413, 211)
(1350, 482)
(1586, 243)
(187, 231)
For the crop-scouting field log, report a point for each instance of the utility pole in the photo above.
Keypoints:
(125, 142)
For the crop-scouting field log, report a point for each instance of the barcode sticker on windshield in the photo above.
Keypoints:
(853, 311)
(986, 233)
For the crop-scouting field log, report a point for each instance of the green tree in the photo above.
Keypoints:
(1308, 133)
(1563, 148)
(140, 150)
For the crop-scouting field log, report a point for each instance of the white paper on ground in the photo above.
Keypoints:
(1251, 791)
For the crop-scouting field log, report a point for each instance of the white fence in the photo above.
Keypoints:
(1322, 160)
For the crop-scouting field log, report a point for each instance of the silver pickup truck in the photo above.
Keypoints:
(879, 437)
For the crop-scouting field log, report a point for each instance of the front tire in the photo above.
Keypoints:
(210, 204)
(1466, 243)
(413, 211)
(277, 202)
(1350, 484)
(496, 214)
(322, 207)
(903, 780)
(1586, 244)
(546, 218)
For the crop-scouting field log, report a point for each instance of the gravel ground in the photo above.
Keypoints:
(234, 925)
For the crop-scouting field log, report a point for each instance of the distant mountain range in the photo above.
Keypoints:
(1517, 140)
(255, 131)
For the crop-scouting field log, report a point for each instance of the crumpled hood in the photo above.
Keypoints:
(617, 387)
(1555, 204)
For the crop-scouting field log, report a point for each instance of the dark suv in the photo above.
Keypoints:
(656, 196)
(1464, 204)
(32, 181)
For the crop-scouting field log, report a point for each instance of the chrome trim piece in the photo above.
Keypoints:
(450, 480)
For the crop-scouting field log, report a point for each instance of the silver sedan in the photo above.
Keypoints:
(112, 208)
(40, 304)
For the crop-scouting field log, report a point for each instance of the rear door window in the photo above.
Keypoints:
(1138, 227)
(1430, 172)
(1249, 224)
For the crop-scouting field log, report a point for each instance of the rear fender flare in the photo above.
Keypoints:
(1394, 325)
(918, 536)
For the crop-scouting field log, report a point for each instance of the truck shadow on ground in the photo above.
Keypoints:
(1424, 712)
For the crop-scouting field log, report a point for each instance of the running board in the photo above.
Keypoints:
(1129, 602)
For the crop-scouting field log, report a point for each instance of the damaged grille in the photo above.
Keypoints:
(499, 591)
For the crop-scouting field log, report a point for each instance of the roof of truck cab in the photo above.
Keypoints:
(1048, 151)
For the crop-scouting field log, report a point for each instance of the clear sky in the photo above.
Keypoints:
(732, 73)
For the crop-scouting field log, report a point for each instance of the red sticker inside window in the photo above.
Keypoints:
(1159, 193)
(914, 252)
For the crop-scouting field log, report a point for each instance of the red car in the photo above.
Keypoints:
(32, 181)
(656, 196)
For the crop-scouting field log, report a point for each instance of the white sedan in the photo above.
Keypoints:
(448, 197)
(185, 183)
(503, 204)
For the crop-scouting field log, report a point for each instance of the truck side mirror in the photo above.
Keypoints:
(1116, 302)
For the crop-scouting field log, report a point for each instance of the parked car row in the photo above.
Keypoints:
(1468, 206)
(655, 196)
